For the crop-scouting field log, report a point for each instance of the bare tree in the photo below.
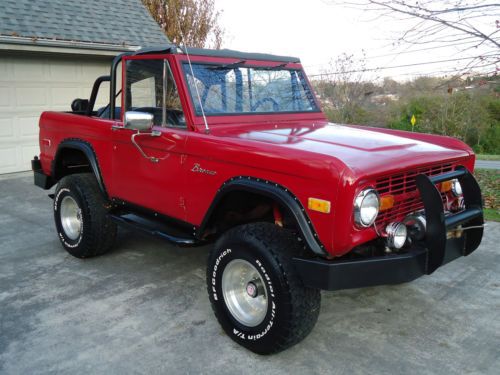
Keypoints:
(470, 23)
(345, 88)
(191, 22)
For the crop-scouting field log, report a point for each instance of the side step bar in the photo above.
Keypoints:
(155, 228)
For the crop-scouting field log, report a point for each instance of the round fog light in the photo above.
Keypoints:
(396, 235)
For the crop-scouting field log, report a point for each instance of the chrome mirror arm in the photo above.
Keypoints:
(154, 133)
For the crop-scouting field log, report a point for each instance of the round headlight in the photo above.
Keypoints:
(366, 207)
(396, 235)
(456, 188)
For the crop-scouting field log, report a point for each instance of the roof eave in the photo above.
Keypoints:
(15, 43)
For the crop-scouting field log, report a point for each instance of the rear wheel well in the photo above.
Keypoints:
(243, 207)
(71, 161)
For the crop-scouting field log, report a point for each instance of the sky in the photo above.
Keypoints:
(318, 32)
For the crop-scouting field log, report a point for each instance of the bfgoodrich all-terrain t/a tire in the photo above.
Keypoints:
(81, 216)
(256, 293)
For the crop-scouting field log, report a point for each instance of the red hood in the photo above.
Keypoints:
(361, 149)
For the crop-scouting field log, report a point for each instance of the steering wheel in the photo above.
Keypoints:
(276, 106)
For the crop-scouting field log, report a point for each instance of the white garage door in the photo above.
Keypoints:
(30, 85)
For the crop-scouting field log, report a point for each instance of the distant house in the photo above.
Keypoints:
(51, 51)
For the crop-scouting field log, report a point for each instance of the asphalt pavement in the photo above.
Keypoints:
(143, 309)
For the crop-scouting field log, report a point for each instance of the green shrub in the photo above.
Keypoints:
(350, 114)
(469, 116)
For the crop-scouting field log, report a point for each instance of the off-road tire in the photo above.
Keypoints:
(98, 232)
(292, 309)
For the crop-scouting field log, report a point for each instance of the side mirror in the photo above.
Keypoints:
(140, 121)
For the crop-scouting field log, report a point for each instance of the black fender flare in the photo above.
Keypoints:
(278, 193)
(88, 151)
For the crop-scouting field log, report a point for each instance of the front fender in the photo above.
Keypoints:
(278, 193)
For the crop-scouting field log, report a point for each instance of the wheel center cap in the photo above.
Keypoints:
(252, 289)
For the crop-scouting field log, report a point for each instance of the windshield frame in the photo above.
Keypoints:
(255, 64)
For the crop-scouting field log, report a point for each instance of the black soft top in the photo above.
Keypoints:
(172, 48)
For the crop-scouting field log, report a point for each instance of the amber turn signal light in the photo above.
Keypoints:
(446, 186)
(319, 205)
(386, 202)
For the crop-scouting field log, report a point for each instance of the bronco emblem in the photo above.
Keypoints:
(198, 169)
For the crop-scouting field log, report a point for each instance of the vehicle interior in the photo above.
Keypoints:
(145, 91)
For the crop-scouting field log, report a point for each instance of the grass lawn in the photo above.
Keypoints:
(489, 180)
(491, 214)
(487, 157)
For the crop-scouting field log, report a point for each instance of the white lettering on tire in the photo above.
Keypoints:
(268, 327)
(56, 199)
(214, 271)
(61, 235)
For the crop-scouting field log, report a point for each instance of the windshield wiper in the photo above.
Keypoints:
(236, 64)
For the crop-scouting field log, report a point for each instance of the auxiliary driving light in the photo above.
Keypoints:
(456, 188)
(396, 235)
(416, 226)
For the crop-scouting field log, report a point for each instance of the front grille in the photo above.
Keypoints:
(404, 189)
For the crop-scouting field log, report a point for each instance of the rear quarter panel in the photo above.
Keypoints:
(56, 127)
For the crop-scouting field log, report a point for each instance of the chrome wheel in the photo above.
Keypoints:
(71, 218)
(244, 292)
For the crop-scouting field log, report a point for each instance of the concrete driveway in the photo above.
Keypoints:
(143, 309)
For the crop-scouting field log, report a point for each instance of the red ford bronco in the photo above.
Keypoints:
(199, 146)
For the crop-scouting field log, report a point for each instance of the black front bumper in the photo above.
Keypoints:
(422, 258)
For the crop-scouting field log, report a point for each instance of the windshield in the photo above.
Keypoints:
(237, 89)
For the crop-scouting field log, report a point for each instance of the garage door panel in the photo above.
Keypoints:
(28, 152)
(91, 72)
(64, 71)
(5, 94)
(63, 96)
(28, 70)
(28, 126)
(8, 158)
(32, 96)
(29, 86)
(5, 67)
(6, 129)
